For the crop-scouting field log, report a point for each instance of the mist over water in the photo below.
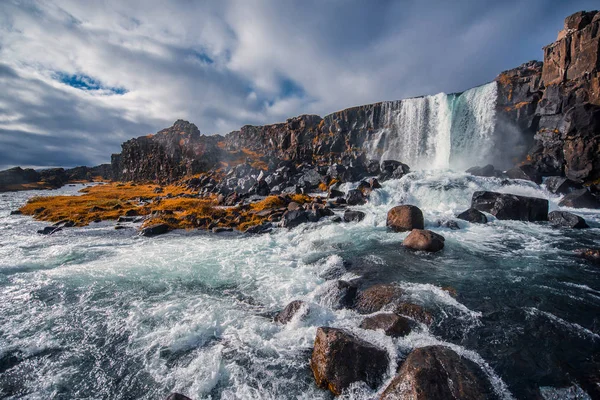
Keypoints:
(440, 131)
(100, 313)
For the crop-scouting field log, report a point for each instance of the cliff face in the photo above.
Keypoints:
(166, 156)
(551, 109)
(559, 101)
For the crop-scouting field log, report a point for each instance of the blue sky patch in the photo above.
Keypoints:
(87, 83)
(290, 88)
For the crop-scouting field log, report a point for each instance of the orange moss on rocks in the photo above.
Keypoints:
(101, 202)
(172, 205)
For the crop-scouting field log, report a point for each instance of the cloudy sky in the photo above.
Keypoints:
(77, 78)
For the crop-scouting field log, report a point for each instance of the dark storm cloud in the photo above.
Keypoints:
(78, 78)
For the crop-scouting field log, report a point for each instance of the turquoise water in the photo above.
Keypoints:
(99, 313)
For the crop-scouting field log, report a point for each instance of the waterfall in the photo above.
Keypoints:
(439, 131)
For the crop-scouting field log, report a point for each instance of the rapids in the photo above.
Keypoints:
(100, 313)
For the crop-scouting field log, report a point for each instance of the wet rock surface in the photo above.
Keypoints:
(376, 297)
(339, 358)
(424, 240)
(405, 218)
(564, 219)
(437, 373)
(510, 206)
(392, 324)
(473, 215)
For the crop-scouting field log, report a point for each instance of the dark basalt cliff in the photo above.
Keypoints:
(553, 108)
(558, 102)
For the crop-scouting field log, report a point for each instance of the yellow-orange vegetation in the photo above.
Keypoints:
(111, 201)
(101, 202)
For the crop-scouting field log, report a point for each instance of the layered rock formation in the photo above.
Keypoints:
(559, 101)
(550, 110)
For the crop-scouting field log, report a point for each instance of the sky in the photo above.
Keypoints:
(77, 78)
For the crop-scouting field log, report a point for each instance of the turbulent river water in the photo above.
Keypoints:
(98, 313)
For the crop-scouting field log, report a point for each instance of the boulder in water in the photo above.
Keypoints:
(564, 219)
(286, 315)
(510, 206)
(561, 185)
(339, 358)
(473, 215)
(154, 230)
(424, 240)
(526, 172)
(392, 169)
(293, 218)
(376, 297)
(405, 218)
(437, 373)
(353, 216)
(355, 197)
(393, 325)
(486, 171)
(581, 198)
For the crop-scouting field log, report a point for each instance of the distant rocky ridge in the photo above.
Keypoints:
(18, 178)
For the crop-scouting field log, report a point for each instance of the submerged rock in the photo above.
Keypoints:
(154, 230)
(510, 206)
(339, 358)
(425, 240)
(474, 216)
(405, 218)
(353, 216)
(177, 396)
(581, 198)
(415, 312)
(376, 297)
(592, 255)
(286, 315)
(437, 373)
(49, 230)
(564, 219)
(393, 325)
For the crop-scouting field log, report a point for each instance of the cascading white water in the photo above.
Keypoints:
(440, 131)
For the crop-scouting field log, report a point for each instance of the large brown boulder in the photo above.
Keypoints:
(510, 206)
(405, 218)
(339, 358)
(424, 240)
(376, 297)
(393, 325)
(437, 373)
